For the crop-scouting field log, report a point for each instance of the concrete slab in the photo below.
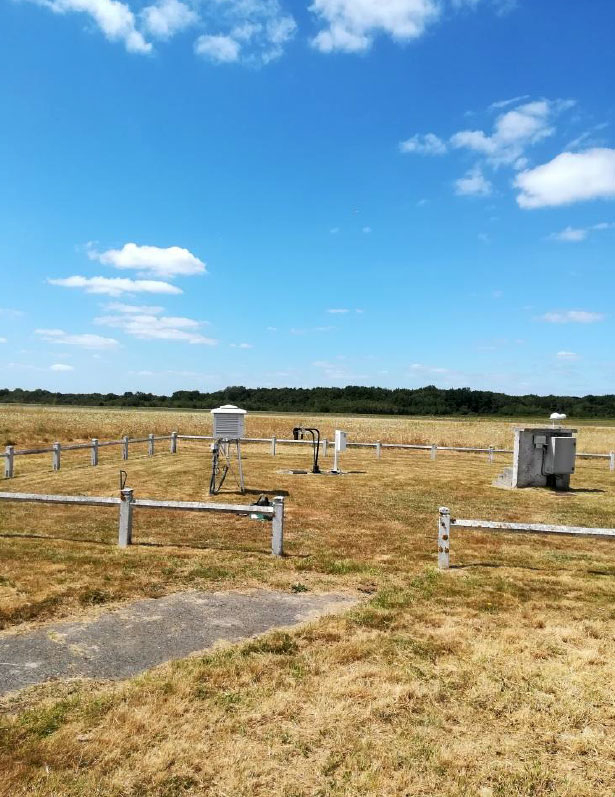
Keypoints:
(133, 638)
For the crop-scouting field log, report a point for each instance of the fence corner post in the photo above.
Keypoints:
(612, 460)
(432, 452)
(150, 445)
(56, 456)
(8, 462)
(125, 448)
(273, 445)
(94, 452)
(378, 449)
(490, 455)
(325, 445)
(125, 532)
(173, 443)
(277, 529)
(444, 537)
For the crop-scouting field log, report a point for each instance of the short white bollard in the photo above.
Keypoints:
(150, 445)
(173, 447)
(491, 454)
(94, 451)
(125, 448)
(612, 460)
(8, 462)
(277, 527)
(444, 537)
(273, 445)
(432, 453)
(56, 456)
(325, 445)
(125, 533)
(378, 449)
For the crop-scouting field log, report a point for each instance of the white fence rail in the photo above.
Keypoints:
(95, 445)
(127, 503)
(446, 522)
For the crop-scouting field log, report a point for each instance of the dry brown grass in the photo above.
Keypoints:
(492, 679)
(28, 425)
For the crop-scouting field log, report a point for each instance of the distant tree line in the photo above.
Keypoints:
(428, 400)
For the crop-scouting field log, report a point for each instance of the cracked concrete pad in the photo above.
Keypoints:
(140, 635)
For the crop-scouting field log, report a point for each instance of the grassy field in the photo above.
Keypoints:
(492, 679)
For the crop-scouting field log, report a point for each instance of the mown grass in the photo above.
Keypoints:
(492, 679)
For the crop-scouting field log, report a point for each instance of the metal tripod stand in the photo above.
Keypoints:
(225, 454)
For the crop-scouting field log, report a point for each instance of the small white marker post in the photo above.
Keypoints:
(378, 449)
(432, 452)
(94, 451)
(56, 456)
(444, 537)
(273, 444)
(125, 533)
(8, 462)
(325, 445)
(490, 455)
(125, 448)
(277, 526)
(173, 446)
(612, 460)
(150, 445)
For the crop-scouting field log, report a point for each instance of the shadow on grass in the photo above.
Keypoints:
(148, 544)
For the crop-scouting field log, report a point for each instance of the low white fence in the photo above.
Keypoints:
(446, 522)
(127, 503)
(57, 448)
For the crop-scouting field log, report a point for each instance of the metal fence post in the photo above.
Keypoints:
(173, 447)
(56, 456)
(277, 527)
(94, 452)
(8, 462)
(273, 444)
(490, 455)
(125, 533)
(432, 453)
(612, 460)
(378, 449)
(150, 445)
(444, 537)
(325, 445)
(125, 448)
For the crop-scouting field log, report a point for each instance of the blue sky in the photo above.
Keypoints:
(380, 192)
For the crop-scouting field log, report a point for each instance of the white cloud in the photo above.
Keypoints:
(3, 340)
(241, 345)
(61, 367)
(115, 20)
(569, 177)
(570, 234)
(513, 132)
(366, 230)
(338, 310)
(352, 25)
(115, 286)
(334, 230)
(568, 356)
(474, 183)
(169, 262)
(253, 32)
(428, 144)
(219, 49)
(10, 312)
(153, 326)
(120, 307)
(572, 317)
(576, 234)
(86, 341)
(167, 17)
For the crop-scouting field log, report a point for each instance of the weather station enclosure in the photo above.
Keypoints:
(542, 457)
(226, 447)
